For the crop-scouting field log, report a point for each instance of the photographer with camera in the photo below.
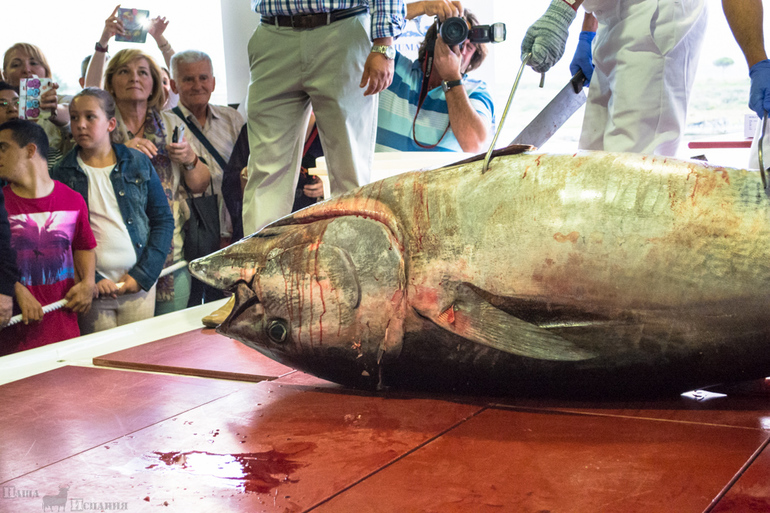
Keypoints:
(432, 104)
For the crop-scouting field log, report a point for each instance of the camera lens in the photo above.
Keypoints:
(454, 31)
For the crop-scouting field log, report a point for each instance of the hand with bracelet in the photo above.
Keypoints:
(113, 26)
(157, 27)
(196, 173)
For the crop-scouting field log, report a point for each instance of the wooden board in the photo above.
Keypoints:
(201, 352)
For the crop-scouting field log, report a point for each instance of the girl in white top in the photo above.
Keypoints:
(125, 283)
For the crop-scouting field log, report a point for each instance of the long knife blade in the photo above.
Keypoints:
(553, 116)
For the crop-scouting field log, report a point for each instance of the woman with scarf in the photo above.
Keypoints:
(134, 80)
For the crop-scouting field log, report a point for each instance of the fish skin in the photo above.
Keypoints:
(594, 274)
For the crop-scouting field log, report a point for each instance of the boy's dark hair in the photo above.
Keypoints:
(5, 86)
(24, 132)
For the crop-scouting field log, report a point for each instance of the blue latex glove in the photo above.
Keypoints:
(759, 96)
(547, 37)
(583, 59)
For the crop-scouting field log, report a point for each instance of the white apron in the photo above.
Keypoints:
(645, 55)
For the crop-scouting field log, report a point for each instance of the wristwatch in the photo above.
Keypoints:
(386, 50)
(190, 167)
(446, 85)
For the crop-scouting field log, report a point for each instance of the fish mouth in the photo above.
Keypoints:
(245, 298)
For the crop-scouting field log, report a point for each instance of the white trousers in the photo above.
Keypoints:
(290, 70)
(645, 56)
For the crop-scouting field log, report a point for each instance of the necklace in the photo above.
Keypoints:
(139, 132)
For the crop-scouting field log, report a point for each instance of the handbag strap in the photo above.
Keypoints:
(202, 138)
(194, 205)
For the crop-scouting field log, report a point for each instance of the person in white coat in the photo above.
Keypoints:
(644, 59)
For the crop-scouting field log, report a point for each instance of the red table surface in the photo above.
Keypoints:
(298, 443)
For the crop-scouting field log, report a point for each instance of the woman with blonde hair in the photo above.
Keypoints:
(134, 80)
(23, 60)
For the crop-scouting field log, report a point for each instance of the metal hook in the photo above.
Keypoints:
(505, 113)
(759, 152)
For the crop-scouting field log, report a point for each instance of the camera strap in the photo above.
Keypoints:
(430, 48)
(429, 52)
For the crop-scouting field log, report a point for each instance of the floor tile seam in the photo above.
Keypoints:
(737, 476)
(634, 417)
(397, 459)
(101, 444)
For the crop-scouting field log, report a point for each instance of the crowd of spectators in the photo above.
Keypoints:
(95, 192)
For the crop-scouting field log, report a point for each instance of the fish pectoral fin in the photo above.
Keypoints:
(474, 318)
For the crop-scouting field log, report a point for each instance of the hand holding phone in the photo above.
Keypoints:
(178, 134)
(135, 23)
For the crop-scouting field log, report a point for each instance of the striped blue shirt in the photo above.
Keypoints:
(398, 106)
(388, 16)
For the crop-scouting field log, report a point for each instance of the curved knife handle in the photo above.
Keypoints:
(577, 81)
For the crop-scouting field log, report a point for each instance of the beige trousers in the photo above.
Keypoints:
(292, 70)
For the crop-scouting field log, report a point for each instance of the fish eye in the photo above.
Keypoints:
(277, 331)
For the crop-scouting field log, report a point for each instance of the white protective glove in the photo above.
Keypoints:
(547, 37)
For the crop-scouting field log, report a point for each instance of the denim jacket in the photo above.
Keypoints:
(142, 202)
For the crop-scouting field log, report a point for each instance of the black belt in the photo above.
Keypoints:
(308, 21)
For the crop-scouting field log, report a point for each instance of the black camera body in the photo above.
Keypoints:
(455, 31)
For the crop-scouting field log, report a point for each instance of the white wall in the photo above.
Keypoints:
(238, 22)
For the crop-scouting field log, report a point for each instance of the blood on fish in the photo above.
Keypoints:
(425, 295)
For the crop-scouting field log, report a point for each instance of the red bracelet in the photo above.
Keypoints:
(571, 3)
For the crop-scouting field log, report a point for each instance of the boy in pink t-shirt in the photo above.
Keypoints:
(52, 238)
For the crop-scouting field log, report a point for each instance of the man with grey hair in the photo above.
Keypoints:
(192, 78)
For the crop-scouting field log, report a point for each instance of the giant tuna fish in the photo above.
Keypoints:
(594, 274)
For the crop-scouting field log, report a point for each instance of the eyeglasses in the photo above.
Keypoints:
(4, 104)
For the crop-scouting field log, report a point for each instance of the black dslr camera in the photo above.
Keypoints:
(456, 30)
